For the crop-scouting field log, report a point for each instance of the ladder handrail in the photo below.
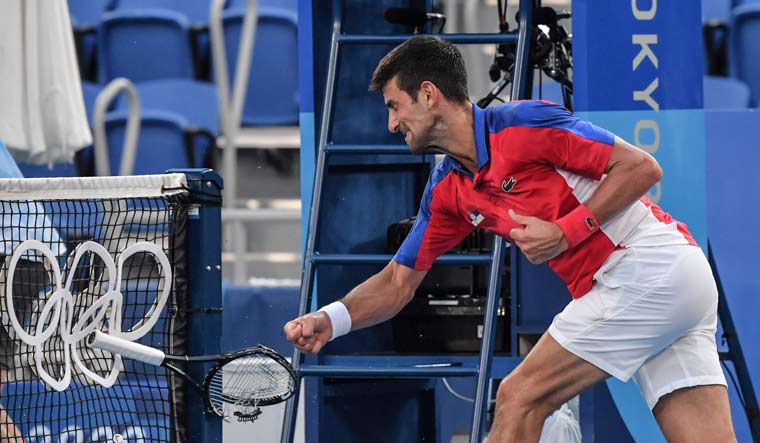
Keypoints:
(307, 283)
(494, 280)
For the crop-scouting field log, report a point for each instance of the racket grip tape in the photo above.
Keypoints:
(126, 348)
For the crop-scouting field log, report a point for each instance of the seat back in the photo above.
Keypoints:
(716, 10)
(161, 144)
(194, 100)
(745, 47)
(195, 10)
(290, 5)
(144, 45)
(272, 95)
(88, 12)
(725, 93)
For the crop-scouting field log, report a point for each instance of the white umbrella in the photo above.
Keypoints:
(42, 114)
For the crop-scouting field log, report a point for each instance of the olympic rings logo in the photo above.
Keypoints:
(58, 311)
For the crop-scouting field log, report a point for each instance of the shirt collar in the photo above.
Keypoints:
(479, 126)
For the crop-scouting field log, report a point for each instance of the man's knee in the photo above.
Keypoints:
(519, 394)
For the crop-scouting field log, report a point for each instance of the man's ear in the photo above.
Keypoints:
(429, 93)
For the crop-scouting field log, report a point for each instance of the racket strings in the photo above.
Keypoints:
(243, 384)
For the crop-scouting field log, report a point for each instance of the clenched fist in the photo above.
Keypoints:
(538, 239)
(310, 332)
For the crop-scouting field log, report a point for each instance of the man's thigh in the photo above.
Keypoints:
(696, 414)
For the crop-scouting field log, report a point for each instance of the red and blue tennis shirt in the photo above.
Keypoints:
(540, 160)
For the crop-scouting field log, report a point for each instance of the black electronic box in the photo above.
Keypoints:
(447, 312)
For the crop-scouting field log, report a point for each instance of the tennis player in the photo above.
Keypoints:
(568, 193)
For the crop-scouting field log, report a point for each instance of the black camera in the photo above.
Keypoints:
(550, 51)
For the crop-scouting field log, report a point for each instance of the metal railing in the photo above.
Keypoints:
(132, 132)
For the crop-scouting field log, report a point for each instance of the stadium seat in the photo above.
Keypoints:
(55, 170)
(725, 93)
(195, 101)
(272, 96)
(716, 10)
(716, 14)
(85, 16)
(90, 93)
(88, 12)
(745, 46)
(196, 11)
(163, 142)
(144, 45)
(290, 5)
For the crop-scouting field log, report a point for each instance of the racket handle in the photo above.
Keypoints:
(126, 348)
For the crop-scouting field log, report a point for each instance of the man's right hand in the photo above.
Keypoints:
(310, 332)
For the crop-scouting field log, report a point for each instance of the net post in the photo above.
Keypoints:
(204, 271)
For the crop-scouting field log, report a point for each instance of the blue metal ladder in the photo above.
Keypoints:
(313, 258)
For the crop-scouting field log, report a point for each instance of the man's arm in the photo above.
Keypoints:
(630, 171)
(375, 300)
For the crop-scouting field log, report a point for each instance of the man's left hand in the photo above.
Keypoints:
(538, 239)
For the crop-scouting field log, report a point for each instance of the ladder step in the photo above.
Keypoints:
(342, 371)
(509, 37)
(449, 259)
(367, 149)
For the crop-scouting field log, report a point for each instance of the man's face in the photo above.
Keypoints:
(411, 118)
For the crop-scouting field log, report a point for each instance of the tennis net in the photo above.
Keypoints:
(78, 254)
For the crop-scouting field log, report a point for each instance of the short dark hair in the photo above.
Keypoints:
(423, 58)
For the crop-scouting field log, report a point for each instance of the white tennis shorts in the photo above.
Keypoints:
(651, 315)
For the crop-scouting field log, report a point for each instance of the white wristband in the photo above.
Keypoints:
(339, 317)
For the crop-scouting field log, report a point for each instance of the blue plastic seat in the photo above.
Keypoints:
(272, 96)
(290, 5)
(163, 142)
(90, 93)
(725, 93)
(55, 170)
(745, 47)
(85, 16)
(194, 100)
(197, 11)
(88, 12)
(716, 10)
(84, 157)
(144, 45)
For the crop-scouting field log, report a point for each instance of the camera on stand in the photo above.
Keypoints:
(550, 51)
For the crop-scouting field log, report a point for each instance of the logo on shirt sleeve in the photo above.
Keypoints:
(475, 217)
(508, 184)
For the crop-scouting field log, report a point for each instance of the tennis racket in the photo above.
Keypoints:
(236, 386)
